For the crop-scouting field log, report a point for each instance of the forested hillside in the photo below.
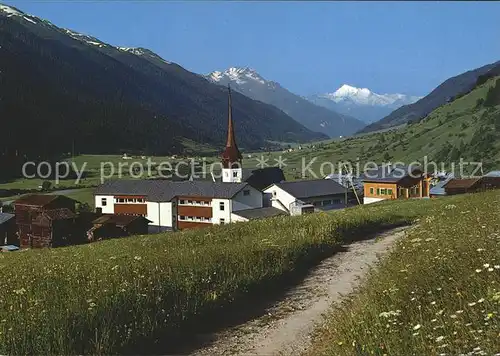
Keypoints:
(60, 91)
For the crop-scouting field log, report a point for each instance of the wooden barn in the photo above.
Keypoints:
(471, 185)
(112, 226)
(45, 220)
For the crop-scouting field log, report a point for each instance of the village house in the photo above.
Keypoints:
(45, 220)
(112, 226)
(306, 196)
(394, 182)
(472, 185)
(172, 205)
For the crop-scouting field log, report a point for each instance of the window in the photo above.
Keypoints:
(383, 191)
(222, 221)
(389, 192)
(182, 201)
(235, 174)
(182, 217)
(221, 206)
(371, 191)
(327, 202)
(104, 201)
(378, 191)
(274, 193)
(246, 192)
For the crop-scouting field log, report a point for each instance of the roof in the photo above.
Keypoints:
(461, 183)
(438, 189)
(38, 199)
(259, 213)
(4, 217)
(165, 190)
(264, 177)
(389, 174)
(9, 248)
(60, 214)
(118, 220)
(312, 188)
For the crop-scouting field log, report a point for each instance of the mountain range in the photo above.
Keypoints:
(316, 118)
(362, 103)
(60, 88)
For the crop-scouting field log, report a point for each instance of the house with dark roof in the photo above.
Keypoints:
(472, 185)
(298, 197)
(112, 226)
(45, 220)
(170, 205)
(395, 182)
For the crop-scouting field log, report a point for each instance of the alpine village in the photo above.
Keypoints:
(346, 223)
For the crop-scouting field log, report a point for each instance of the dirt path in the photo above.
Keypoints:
(286, 328)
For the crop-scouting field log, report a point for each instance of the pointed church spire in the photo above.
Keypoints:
(231, 154)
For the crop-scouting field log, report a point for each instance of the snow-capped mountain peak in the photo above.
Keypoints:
(239, 75)
(362, 103)
(364, 96)
(347, 90)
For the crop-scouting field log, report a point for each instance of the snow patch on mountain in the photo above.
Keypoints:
(364, 96)
(85, 38)
(143, 52)
(239, 75)
(10, 11)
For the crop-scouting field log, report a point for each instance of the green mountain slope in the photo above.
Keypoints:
(447, 91)
(467, 128)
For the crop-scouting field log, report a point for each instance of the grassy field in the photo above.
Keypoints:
(130, 294)
(438, 293)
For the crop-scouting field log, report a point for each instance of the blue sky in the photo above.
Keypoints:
(308, 47)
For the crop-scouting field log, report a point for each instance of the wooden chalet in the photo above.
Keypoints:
(114, 225)
(471, 185)
(395, 182)
(45, 220)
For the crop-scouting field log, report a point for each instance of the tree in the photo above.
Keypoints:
(83, 208)
(46, 185)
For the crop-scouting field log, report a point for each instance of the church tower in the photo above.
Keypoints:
(231, 157)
